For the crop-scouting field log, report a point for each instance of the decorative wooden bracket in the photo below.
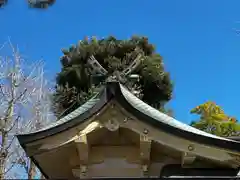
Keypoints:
(83, 153)
(112, 124)
(110, 120)
(187, 158)
(235, 161)
(145, 151)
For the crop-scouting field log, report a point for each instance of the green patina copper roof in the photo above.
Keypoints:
(137, 104)
(159, 116)
(139, 109)
(77, 112)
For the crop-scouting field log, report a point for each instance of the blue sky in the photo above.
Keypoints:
(195, 38)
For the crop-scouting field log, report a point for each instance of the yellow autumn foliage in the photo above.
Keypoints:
(214, 120)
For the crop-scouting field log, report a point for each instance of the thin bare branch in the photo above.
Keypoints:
(14, 123)
(3, 45)
(24, 107)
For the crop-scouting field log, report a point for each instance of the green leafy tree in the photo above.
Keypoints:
(77, 81)
(213, 120)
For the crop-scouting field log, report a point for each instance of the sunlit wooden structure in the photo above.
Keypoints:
(115, 134)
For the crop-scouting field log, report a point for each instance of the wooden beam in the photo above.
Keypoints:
(145, 152)
(235, 161)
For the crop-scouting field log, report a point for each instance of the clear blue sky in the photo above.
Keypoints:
(195, 38)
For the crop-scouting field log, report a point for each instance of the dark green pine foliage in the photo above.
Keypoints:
(74, 84)
(40, 4)
(3, 3)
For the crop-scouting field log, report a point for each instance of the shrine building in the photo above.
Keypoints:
(115, 134)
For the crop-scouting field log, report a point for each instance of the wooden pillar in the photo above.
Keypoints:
(145, 152)
(83, 154)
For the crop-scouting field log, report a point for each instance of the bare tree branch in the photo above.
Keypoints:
(24, 107)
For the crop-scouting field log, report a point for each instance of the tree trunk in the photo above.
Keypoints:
(2, 160)
(32, 170)
(2, 156)
(4, 134)
(2, 168)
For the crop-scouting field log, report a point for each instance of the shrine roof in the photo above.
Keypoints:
(139, 109)
(235, 138)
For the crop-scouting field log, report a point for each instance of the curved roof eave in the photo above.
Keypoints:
(78, 116)
(150, 115)
(140, 110)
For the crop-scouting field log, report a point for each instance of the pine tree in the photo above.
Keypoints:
(40, 4)
(76, 81)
